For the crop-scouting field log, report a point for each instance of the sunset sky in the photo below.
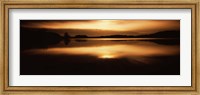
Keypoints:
(103, 27)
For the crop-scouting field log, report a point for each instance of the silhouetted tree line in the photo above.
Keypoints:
(162, 34)
(41, 38)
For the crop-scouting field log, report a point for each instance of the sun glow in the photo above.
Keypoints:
(104, 25)
(101, 25)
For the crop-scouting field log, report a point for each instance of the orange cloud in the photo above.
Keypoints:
(135, 26)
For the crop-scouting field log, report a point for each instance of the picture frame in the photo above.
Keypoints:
(104, 4)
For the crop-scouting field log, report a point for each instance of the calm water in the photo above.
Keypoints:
(103, 56)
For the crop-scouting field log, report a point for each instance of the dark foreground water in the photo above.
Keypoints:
(103, 56)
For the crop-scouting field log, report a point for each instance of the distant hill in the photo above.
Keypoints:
(162, 34)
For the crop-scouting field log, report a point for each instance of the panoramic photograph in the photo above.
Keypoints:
(99, 47)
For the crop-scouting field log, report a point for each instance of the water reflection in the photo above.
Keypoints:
(114, 51)
(116, 56)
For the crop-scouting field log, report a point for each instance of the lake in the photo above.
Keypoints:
(103, 56)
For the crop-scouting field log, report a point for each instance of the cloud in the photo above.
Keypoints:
(124, 26)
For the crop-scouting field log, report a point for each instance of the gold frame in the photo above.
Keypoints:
(8, 4)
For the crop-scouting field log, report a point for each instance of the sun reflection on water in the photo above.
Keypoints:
(112, 51)
(106, 56)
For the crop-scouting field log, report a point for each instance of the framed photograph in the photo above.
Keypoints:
(99, 47)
